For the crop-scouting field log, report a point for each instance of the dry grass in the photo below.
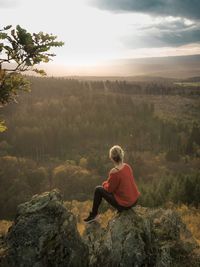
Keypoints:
(81, 211)
(191, 217)
(4, 226)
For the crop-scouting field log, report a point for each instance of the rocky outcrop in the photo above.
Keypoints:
(44, 234)
(141, 237)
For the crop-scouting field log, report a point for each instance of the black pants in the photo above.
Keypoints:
(100, 193)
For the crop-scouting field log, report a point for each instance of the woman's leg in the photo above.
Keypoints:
(100, 193)
(121, 208)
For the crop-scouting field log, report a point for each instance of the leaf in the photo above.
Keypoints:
(41, 72)
(28, 62)
(3, 35)
(2, 126)
(1, 47)
(13, 32)
(7, 27)
(8, 48)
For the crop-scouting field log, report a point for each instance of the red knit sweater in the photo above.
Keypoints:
(122, 184)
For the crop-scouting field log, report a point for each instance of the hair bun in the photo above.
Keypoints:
(116, 153)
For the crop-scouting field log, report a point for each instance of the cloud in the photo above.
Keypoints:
(176, 8)
(174, 33)
(172, 23)
(8, 3)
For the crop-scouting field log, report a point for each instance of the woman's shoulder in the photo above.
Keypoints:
(116, 170)
(129, 166)
(113, 170)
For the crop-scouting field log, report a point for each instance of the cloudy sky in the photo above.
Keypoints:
(95, 31)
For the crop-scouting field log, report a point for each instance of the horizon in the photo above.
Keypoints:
(158, 67)
(98, 34)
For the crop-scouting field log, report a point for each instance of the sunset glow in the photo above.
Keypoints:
(94, 36)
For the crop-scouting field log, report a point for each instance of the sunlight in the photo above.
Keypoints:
(93, 36)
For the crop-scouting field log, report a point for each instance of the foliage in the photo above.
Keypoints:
(2, 126)
(74, 181)
(60, 135)
(79, 118)
(20, 179)
(177, 189)
(26, 49)
(11, 84)
(21, 51)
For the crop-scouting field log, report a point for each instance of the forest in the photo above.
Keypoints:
(59, 135)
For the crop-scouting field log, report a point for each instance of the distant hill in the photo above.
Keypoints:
(180, 67)
(139, 78)
(137, 69)
(192, 79)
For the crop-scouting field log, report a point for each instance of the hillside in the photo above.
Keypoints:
(180, 67)
(60, 133)
(192, 79)
(169, 67)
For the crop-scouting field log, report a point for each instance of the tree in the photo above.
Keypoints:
(21, 51)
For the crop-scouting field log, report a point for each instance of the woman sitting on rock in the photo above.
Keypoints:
(120, 189)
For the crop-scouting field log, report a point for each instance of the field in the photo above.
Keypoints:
(185, 84)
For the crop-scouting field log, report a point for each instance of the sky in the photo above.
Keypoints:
(99, 31)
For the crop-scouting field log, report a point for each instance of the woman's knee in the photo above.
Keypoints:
(99, 189)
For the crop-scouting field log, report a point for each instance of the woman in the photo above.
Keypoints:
(120, 189)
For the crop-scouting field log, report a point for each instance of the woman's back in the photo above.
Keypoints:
(120, 189)
(126, 192)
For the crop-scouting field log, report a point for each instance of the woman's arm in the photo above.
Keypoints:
(112, 182)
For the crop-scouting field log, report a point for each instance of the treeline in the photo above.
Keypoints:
(59, 136)
(22, 178)
(68, 119)
(148, 88)
(177, 189)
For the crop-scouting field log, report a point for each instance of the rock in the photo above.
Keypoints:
(44, 234)
(140, 237)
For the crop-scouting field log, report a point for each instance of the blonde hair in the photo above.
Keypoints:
(116, 153)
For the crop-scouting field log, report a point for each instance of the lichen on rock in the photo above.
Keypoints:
(44, 234)
(140, 237)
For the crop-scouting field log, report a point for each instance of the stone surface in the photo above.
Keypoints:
(141, 237)
(44, 234)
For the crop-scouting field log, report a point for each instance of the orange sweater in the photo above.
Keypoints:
(122, 185)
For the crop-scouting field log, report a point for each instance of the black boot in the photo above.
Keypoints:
(91, 218)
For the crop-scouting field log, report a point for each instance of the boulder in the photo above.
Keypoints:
(44, 234)
(141, 237)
